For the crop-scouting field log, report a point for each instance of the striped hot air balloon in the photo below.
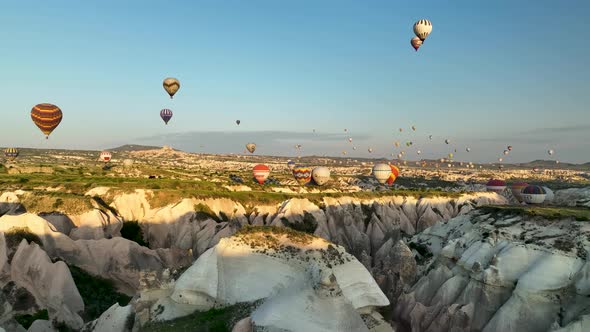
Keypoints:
(422, 28)
(261, 173)
(11, 153)
(105, 156)
(171, 85)
(166, 115)
(496, 185)
(394, 174)
(302, 174)
(47, 117)
(517, 189)
(533, 194)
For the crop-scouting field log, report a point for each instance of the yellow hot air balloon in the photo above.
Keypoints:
(47, 117)
(171, 85)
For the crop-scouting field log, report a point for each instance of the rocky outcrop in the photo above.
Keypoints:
(573, 197)
(319, 285)
(115, 319)
(499, 273)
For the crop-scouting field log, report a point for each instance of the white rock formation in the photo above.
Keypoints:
(285, 271)
(572, 197)
(115, 319)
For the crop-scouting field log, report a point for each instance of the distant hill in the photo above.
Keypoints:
(133, 147)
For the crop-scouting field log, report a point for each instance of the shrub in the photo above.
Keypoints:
(132, 231)
(27, 320)
(15, 235)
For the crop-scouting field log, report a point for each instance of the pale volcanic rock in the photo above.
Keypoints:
(115, 319)
(95, 224)
(41, 325)
(495, 273)
(50, 283)
(243, 269)
(572, 197)
(132, 206)
(97, 191)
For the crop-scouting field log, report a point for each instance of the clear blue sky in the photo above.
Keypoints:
(492, 73)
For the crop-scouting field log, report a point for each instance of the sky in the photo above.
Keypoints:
(491, 74)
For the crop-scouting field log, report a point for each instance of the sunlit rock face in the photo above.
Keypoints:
(500, 272)
(321, 286)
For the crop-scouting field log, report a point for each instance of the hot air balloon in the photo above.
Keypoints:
(381, 172)
(496, 186)
(321, 175)
(468, 149)
(447, 141)
(302, 174)
(47, 117)
(105, 156)
(430, 137)
(550, 152)
(401, 129)
(396, 144)
(414, 128)
(506, 152)
(11, 153)
(370, 150)
(261, 173)
(409, 143)
(394, 174)
(509, 147)
(422, 29)
(534, 194)
(416, 43)
(345, 130)
(500, 159)
(399, 156)
(171, 85)
(290, 164)
(350, 139)
(450, 156)
(418, 152)
(238, 122)
(354, 147)
(344, 153)
(251, 147)
(517, 189)
(166, 115)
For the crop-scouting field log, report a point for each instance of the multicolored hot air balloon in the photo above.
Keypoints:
(394, 174)
(171, 85)
(496, 185)
(166, 115)
(381, 172)
(105, 156)
(534, 194)
(422, 29)
(251, 147)
(302, 174)
(47, 117)
(261, 173)
(11, 153)
(321, 175)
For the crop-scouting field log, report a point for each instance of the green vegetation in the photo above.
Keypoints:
(27, 320)
(204, 212)
(98, 294)
(308, 225)
(255, 235)
(56, 201)
(547, 212)
(214, 320)
(15, 235)
(132, 231)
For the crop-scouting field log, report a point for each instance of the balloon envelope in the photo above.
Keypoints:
(321, 175)
(105, 156)
(166, 115)
(251, 147)
(381, 172)
(394, 174)
(171, 85)
(261, 173)
(422, 29)
(302, 174)
(11, 153)
(47, 117)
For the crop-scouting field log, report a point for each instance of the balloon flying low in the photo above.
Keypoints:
(47, 117)
(261, 173)
(251, 147)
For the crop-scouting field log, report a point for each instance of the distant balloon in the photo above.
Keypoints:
(496, 186)
(430, 137)
(422, 29)
(509, 147)
(381, 172)
(396, 144)
(468, 149)
(345, 130)
(261, 173)
(166, 115)
(354, 147)
(321, 175)
(550, 152)
(506, 152)
(447, 141)
(450, 156)
(105, 156)
(47, 117)
(350, 139)
(399, 156)
(370, 150)
(418, 152)
(11, 153)
(291, 164)
(302, 174)
(414, 128)
(401, 129)
(171, 85)
(500, 159)
(251, 147)
(238, 122)
(409, 143)
(416, 43)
